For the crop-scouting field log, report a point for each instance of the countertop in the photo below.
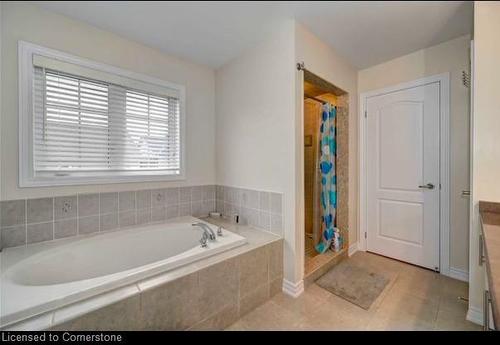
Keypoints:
(490, 219)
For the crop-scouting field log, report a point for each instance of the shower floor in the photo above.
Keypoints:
(309, 247)
(316, 264)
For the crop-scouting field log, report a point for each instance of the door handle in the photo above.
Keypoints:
(427, 186)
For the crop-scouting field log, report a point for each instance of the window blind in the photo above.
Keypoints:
(85, 125)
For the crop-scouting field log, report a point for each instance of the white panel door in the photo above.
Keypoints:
(403, 175)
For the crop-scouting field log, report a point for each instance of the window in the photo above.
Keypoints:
(92, 123)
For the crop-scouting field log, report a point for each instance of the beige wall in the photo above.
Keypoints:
(259, 126)
(29, 23)
(453, 57)
(486, 131)
(255, 125)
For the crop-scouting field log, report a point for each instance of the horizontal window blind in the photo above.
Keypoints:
(86, 125)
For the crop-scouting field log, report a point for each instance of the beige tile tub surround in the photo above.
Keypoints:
(208, 295)
(44, 219)
(261, 209)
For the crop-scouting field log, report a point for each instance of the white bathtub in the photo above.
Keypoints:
(43, 277)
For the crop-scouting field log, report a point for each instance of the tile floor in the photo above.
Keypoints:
(415, 299)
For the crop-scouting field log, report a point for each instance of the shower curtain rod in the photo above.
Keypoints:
(316, 99)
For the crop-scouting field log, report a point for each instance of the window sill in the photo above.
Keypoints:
(52, 181)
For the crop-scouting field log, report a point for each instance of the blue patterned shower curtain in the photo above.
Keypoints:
(328, 197)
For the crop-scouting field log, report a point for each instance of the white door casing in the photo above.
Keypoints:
(402, 163)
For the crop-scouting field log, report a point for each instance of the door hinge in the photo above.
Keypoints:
(365, 114)
(365, 234)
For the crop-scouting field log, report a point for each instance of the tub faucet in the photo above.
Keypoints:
(207, 230)
(204, 240)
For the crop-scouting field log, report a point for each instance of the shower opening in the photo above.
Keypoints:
(325, 175)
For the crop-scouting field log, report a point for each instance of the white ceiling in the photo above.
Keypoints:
(212, 33)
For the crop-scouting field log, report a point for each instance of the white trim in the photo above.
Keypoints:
(458, 274)
(27, 177)
(444, 222)
(475, 315)
(293, 289)
(353, 248)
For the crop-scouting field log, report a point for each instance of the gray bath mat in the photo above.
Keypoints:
(356, 284)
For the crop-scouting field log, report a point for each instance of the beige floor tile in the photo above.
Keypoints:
(418, 285)
(269, 316)
(451, 303)
(453, 287)
(378, 261)
(403, 311)
(401, 322)
(452, 321)
(302, 306)
(329, 322)
(238, 326)
(414, 299)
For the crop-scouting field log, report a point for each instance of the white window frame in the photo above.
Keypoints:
(27, 176)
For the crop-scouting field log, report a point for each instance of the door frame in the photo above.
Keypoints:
(444, 162)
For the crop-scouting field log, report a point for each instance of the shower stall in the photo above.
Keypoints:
(325, 175)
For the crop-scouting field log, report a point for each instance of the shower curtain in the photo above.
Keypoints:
(330, 235)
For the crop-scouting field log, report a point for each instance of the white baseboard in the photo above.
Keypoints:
(475, 315)
(293, 289)
(353, 248)
(458, 274)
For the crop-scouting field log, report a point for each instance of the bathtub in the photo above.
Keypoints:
(39, 278)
